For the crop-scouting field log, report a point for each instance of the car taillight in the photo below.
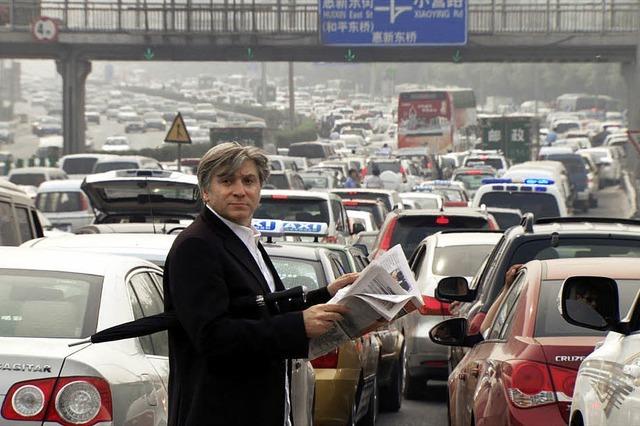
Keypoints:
(530, 384)
(330, 239)
(70, 401)
(329, 360)
(442, 220)
(349, 203)
(385, 242)
(433, 306)
(564, 381)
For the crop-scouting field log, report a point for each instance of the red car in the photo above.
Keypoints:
(522, 371)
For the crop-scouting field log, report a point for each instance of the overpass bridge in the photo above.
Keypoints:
(498, 31)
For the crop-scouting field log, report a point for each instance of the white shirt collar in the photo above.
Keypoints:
(243, 232)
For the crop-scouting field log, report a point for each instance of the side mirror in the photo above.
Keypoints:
(455, 288)
(453, 332)
(590, 302)
(357, 228)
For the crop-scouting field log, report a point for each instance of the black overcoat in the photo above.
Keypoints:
(227, 363)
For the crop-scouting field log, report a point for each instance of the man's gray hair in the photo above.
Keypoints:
(225, 159)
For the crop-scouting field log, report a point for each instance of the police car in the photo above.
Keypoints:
(538, 196)
(304, 207)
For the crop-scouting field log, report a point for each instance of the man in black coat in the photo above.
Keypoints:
(228, 358)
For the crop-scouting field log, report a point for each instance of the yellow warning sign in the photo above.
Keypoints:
(178, 132)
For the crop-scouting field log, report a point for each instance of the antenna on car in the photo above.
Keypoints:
(153, 218)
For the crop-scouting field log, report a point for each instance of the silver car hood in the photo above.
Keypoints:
(25, 358)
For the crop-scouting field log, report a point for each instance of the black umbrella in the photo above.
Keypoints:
(166, 320)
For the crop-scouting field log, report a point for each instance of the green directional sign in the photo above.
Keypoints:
(250, 54)
(457, 57)
(148, 54)
(350, 56)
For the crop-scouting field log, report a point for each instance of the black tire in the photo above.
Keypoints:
(576, 419)
(414, 387)
(391, 395)
(369, 419)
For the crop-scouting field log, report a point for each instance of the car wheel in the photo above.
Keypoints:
(576, 419)
(391, 395)
(369, 419)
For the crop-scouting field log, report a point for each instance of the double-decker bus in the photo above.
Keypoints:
(437, 118)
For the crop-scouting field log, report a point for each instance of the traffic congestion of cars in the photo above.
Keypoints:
(519, 288)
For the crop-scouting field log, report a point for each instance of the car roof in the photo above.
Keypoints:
(151, 247)
(587, 227)
(26, 170)
(61, 184)
(66, 261)
(443, 212)
(295, 251)
(147, 174)
(615, 267)
(367, 190)
(296, 193)
(467, 238)
(87, 155)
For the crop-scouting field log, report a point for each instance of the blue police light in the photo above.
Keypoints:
(496, 180)
(536, 181)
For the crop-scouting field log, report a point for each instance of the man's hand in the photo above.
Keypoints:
(319, 319)
(511, 274)
(341, 282)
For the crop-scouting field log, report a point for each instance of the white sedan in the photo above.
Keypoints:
(51, 298)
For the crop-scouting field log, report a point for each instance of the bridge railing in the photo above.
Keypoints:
(125, 16)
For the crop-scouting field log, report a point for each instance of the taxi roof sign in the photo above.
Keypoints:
(178, 132)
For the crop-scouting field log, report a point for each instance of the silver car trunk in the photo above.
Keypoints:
(23, 359)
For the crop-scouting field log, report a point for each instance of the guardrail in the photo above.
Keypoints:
(240, 16)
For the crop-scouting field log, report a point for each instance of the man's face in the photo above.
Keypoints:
(589, 298)
(236, 197)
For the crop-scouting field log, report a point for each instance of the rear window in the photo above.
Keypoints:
(57, 202)
(447, 260)
(307, 151)
(367, 196)
(278, 181)
(71, 302)
(33, 179)
(540, 204)
(114, 165)
(409, 231)
(496, 163)
(574, 164)
(299, 272)
(383, 166)
(569, 248)
(472, 182)
(506, 220)
(549, 322)
(79, 166)
(306, 210)
(320, 182)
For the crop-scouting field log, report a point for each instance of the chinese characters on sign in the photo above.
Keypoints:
(393, 22)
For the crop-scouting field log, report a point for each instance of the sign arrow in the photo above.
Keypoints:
(350, 56)
(457, 57)
(250, 53)
(148, 54)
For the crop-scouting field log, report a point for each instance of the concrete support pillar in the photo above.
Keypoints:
(631, 75)
(74, 72)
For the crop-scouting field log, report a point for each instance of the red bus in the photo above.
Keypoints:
(440, 119)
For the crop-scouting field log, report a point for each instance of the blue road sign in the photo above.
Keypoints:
(393, 22)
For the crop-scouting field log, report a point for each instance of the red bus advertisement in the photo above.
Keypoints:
(435, 118)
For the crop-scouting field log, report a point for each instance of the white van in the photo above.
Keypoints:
(538, 196)
(19, 220)
(65, 205)
(77, 166)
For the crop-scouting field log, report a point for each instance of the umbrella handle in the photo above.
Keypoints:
(81, 342)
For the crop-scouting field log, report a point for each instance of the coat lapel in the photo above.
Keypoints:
(236, 248)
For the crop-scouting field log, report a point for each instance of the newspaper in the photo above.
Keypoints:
(386, 289)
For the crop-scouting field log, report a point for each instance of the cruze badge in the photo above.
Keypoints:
(569, 358)
(33, 368)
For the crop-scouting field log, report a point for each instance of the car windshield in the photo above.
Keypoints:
(422, 202)
(278, 181)
(549, 322)
(369, 208)
(367, 196)
(506, 220)
(565, 127)
(308, 151)
(58, 202)
(301, 209)
(574, 163)
(79, 166)
(299, 272)
(48, 304)
(114, 165)
(410, 230)
(383, 166)
(538, 203)
(447, 260)
(320, 182)
(472, 181)
(33, 179)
